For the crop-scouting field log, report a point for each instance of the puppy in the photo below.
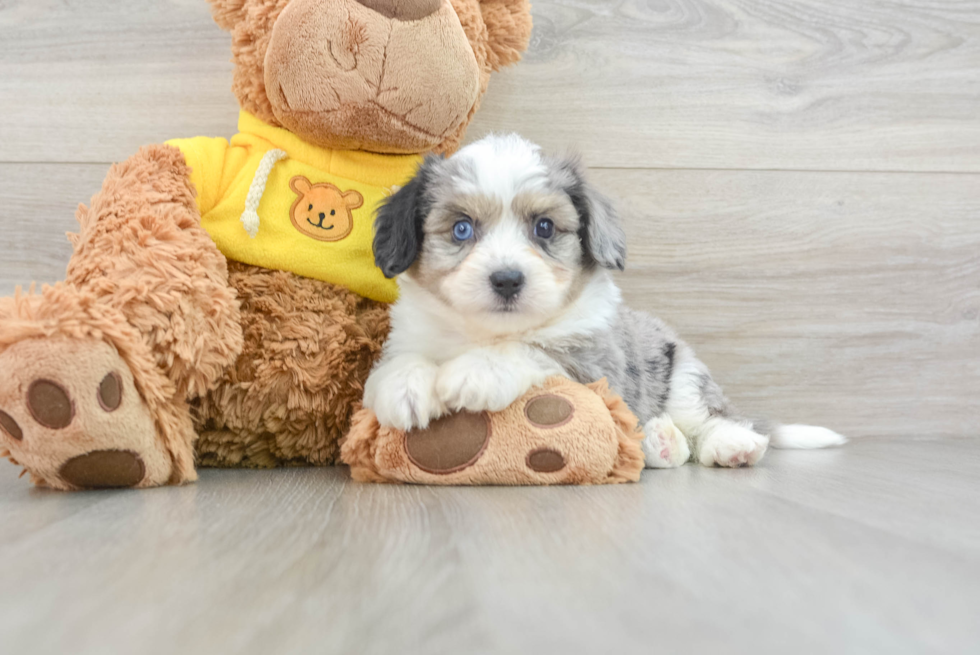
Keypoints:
(503, 257)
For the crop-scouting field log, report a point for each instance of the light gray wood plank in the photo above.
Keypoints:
(688, 560)
(801, 84)
(93, 81)
(37, 208)
(900, 486)
(847, 300)
(772, 84)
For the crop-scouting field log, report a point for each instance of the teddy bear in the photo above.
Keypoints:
(221, 306)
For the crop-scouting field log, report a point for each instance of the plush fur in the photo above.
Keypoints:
(598, 444)
(266, 366)
(503, 257)
(308, 349)
(141, 233)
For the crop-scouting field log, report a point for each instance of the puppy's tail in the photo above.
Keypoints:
(804, 436)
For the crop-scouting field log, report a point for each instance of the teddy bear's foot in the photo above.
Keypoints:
(71, 415)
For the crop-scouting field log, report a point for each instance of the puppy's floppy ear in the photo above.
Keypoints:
(602, 235)
(604, 238)
(398, 225)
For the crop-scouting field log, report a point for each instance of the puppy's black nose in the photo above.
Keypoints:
(507, 284)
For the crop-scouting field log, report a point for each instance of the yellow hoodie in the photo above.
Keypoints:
(271, 200)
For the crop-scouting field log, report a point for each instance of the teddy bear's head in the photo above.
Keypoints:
(388, 76)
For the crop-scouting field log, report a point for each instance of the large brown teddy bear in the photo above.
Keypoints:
(221, 305)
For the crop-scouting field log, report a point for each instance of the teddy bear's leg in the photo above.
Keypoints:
(290, 396)
(96, 371)
(82, 404)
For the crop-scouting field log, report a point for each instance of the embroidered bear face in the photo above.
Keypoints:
(323, 211)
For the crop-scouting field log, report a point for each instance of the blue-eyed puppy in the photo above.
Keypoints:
(503, 257)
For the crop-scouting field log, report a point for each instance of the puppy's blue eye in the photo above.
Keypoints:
(463, 230)
(544, 228)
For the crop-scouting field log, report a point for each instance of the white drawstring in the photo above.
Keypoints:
(250, 217)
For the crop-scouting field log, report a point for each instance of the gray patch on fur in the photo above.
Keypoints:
(714, 400)
(636, 356)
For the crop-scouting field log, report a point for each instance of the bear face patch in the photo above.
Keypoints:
(323, 211)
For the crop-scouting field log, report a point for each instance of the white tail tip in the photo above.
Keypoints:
(805, 436)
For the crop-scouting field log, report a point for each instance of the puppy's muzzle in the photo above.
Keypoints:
(507, 283)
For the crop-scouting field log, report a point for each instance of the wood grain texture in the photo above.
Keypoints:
(840, 299)
(93, 81)
(831, 551)
(771, 84)
(799, 84)
(37, 208)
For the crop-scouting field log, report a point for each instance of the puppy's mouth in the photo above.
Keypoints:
(511, 306)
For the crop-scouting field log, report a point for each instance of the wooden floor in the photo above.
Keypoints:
(800, 182)
(874, 548)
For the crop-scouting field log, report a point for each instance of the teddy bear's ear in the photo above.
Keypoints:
(227, 13)
(509, 28)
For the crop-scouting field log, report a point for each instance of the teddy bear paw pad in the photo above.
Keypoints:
(451, 443)
(545, 460)
(70, 413)
(104, 469)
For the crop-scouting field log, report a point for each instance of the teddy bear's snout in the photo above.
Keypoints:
(393, 76)
(403, 9)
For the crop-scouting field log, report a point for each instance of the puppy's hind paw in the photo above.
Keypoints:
(664, 445)
(732, 445)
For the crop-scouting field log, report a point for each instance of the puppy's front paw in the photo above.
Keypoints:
(732, 445)
(664, 446)
(476, 383)
(402, 393)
